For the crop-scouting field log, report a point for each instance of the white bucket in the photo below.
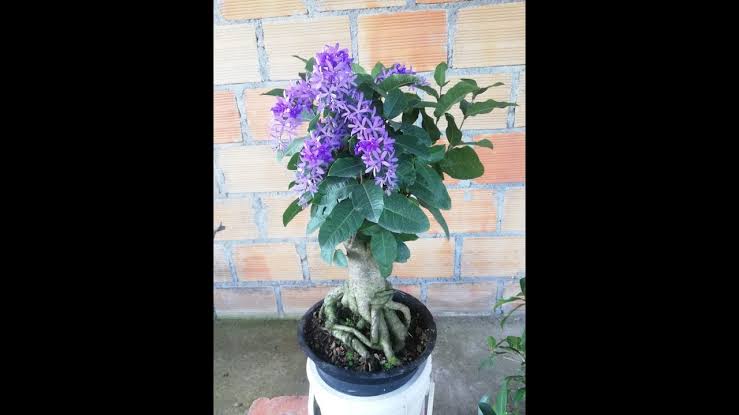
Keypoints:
(414, 398)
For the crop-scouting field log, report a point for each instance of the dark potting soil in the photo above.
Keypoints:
(328, 347)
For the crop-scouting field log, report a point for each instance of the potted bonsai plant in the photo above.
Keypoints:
(364, 172)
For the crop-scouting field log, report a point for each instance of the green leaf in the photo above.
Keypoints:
(406, 171)
(427, 89)
(346, 167)
(340, 259)
(484, 406)
(371, 229)
(501, 403)
(368, 199)
(484, 107)
(314, 223)
(294, 147)
(482, 90)
(410, 115)
(402, 216)
(424, 104)
(429, 187)
(453, 134)
(333, 188)
(406, 237)
(491, 342)
(398, 80)
(471, 81)
(394, 104)
(357, 68)
(440, 74)
(438, 216)
(462, 163)
(342, 223)
(290, 186)
(419, 133)
(277, 92)
(506, 301)
(412, 99)
(384, 247)
(313, 122)
(453, 96)
(429, 125)
(482, 143)
(523, 340)
(292, 164)
(292, 210)
(514, 342)
(377, 69)
(385, 269)
(436, 153)
(302, 59)
(522, 282)
(520, 395)
(403, 252)
(412, 145)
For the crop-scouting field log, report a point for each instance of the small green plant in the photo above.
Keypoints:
(510, 348)
(391, 363)
(350, 356)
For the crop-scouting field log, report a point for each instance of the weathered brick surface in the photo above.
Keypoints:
(259, 114)
(267, 262)
(275, 207)
(297, 300)
(414, 38)
(506, 163)
(254, 169)
(493, 256)
(472, 211)
(282, 40)
(490, 36)
(254, 9)
(325, 5)
(281, 405)
(432, 258)
(319, 269)
(245, 301)
(235, 54)
(461, 298)
(221, 272)
(514, 210)
(226, 126)
(237, 217)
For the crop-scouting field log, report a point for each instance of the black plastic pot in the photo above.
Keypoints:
(356, 383)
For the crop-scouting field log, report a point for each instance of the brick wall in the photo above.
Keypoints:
(262, 268)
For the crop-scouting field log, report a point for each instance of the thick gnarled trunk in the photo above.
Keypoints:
(368, 295)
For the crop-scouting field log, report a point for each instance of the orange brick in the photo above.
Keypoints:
(493, 256)
(514, 210)
(235, 54)
(324, 5)
(413, 38)
(490, 36)
(238, 218)
(267, 262)
(319, 269)
(255, 9)
(302, 38)
(510, 289)
(506, 163)
(226, 127)
(275, 207)
(461, 298)
(521, 101)
(221, 272)
(414, 290)
(474, 215)
(244, 301)
(297, 300)
(258, 113)
(497, 118)
(254, 169)
(429, 258)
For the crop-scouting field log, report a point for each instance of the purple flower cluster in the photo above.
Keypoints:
(331, 92)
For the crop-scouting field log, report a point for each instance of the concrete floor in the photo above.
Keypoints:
(255, 358)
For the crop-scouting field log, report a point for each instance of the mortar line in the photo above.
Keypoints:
(260, 216)
(334, 282)
(458, 241)
(451, 24)
(220, 176)
(499, 206)
(354, 35)
(300, 247)
(424, 293)
(278, 301)
(261, 51)
(367, 11)
(246, 138)
(228, 253)
(511, 116)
